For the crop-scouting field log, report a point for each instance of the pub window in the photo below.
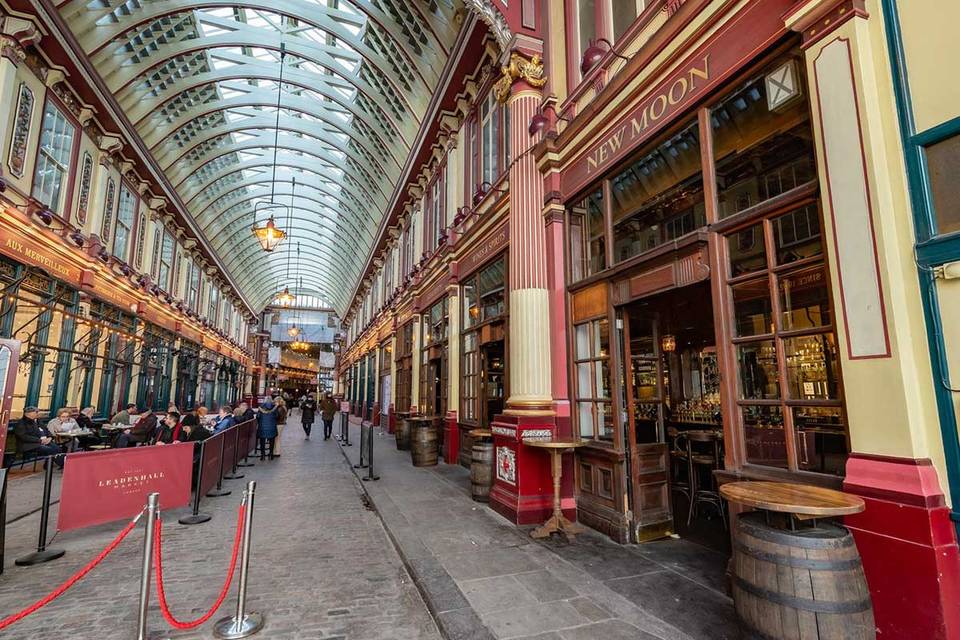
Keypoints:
(436, 209)
(483, 361)
(470, 389)
(762, 139)
(659, 196)
(592, 364)
(126, 214)
(404, 361)
(193, 294)
(213, 306)
(788, 377)
(624, 13)
(942, 161)
(587, 236)
(53, 158)
(166, 261)
(491, 150)
(587, 23)
(227, 316)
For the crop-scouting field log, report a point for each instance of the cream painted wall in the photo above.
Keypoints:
(890, 401)
(932, 50)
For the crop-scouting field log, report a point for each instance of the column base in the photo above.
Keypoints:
(451, 439)
(908, 545)
(522, 484)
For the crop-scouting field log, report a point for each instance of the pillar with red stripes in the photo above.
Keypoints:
(523, 486)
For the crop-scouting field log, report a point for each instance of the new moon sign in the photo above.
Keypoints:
(102, 486)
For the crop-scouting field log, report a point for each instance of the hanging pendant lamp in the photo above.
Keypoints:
(269, 236)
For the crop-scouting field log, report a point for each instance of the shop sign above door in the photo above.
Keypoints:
(741, 39)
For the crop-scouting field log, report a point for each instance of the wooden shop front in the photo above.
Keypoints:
(702, 333)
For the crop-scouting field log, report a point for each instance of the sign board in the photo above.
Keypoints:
(102, 486)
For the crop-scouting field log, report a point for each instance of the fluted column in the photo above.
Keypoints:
(529, 294)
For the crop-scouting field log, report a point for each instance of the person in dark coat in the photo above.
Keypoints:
(248, 413)
(328, 408)
(34, 439)
(224, 419)
(170, 430)
(267, 427)
(308, 414)
(144, 431)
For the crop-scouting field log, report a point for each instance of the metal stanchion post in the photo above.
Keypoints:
(3, 513)
(219, 490)
(370, 475)
(346, 428)
(196, 517)
(364, 436)
(153, 509)
(42, 554)
(242, 624)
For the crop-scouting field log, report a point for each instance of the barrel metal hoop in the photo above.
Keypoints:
(790, 538)
(802, 604)
(798, 563)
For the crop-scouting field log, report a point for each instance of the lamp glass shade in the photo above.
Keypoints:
(538, 123)
(269, 236)
(293, 331)
(286, 298)
(591, 57)
(668, 343)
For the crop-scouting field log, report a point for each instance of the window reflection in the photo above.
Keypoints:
(659, 197)
(759, 376)
(821, 439)
(763, 432)
(761, 151)
(587, 236)
(811, 367)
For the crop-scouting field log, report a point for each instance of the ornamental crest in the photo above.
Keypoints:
(21, 131)
(86, 175)
(530, 70)
(507, 465)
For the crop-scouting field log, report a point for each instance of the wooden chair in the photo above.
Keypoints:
(679, 459)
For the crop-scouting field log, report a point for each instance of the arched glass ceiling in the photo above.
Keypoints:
(199, 79)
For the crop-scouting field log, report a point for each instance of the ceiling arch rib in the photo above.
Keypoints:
(200, 80)
(302, 144)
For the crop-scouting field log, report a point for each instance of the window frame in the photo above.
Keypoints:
(64, 207)
(129, 241)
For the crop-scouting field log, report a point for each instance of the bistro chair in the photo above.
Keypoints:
(704, 456)
(679, 460)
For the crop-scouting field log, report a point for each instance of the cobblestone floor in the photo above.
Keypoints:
(485, 578)
(323, 567)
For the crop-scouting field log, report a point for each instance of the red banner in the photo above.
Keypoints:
(102, 486)
(210, 462)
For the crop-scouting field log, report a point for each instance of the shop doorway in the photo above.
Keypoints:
(492, 371)
(671, 392)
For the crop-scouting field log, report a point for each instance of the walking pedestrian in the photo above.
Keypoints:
(308, 414)
(327, 410)
(267, 428)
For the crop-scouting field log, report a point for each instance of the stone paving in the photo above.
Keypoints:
(323, 567)
(485, 578)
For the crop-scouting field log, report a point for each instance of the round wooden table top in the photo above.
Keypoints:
(799, 499)
(481, 433)
(555, 444)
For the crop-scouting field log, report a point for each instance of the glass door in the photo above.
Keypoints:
(644, 389)
(9, 361)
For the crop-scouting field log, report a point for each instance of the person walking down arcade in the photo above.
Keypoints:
(308, 414)
(266, 428)
(327, 410)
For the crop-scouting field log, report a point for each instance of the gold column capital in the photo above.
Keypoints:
(529, 70)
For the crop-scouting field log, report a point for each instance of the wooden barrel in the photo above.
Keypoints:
(424, 445)
(806, 584)
(403, 434)
(481, 470)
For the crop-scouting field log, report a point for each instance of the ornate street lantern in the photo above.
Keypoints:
(269, 236)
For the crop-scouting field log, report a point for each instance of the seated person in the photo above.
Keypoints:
(85, 421)
(193, 432)
(61, 424)
(33, 440)
(202, 415)
(123, 417)
(248, 413)
(224, 419)
(143, 431)
(187, 420)
(169, 430)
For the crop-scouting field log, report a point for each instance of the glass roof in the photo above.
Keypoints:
(199, 81)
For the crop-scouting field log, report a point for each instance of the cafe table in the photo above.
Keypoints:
(557, 522)
(796, 574)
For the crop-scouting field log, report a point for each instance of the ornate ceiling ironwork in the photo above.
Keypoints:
(198, 78)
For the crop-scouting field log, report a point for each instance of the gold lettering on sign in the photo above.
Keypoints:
(494, 243)
(653, 110)
(37, 258)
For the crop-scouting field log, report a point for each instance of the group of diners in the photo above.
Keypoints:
(70, 431)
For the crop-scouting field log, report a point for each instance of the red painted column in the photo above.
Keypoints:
(908, 545)
(523, 486)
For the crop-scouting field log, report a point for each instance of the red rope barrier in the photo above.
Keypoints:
(56, 593)
(162, 597)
